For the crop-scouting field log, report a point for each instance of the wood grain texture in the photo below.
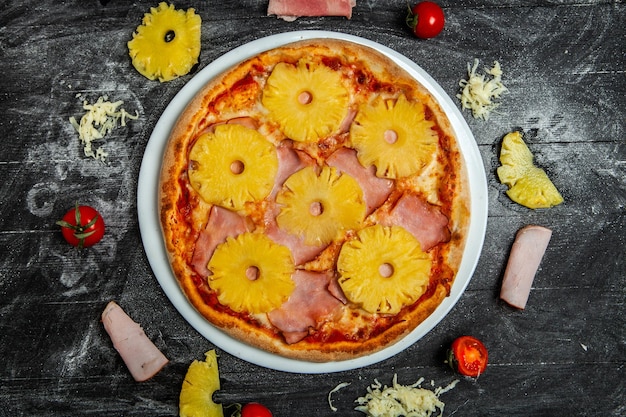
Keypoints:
(564, 63)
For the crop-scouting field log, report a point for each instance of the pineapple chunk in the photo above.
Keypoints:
(319, 207)
(528, 184)
(394, 136)
(308, 101)
(251, 273)
(201, 381)
(232, 166)
(383, 269)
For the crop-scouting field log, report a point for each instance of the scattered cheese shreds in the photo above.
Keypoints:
(401, 400)
(337, 388)
(478, 91)
(100, 119)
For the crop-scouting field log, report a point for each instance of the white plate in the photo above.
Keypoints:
(149, 224)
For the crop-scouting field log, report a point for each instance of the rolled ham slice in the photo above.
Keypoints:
(291, 9)
(142, 358)
(526, 254)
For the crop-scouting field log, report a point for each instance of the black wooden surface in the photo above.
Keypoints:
(564, 63)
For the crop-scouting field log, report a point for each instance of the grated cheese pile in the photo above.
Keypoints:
(401, 400)
(478, 91)
(99, 120)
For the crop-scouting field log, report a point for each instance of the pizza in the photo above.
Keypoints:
(314, 201)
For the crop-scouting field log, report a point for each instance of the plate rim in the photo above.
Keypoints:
(150, 227)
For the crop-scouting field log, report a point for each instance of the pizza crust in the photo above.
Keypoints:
(184, 215)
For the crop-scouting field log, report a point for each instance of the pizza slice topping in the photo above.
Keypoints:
(394, 136)
(232, 166)
(383, 269)
(307, 100)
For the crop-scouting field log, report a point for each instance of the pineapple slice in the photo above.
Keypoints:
(167, 43)
(383, 269)
(232, 166)
(308, 101)
(528, 184)
(320, 207)
(201, 381)
(251, 273)
(394, 136)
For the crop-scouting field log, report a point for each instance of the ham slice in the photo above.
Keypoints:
(300, 251)
(289, 162)
(140, 355)
(222, 223)
(420, 218)
(308, 306)
(291, 9)
(375, 190)
(526, 254)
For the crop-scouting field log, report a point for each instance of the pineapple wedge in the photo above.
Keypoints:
(383, 269)
(528, 185)
(308, 101)
(319, 207)
(394, 136)
(232, 166)
(196, 395)
(251, 273)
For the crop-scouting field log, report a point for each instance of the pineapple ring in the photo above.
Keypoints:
(308, 101)
(251, 273)
(383, 269)
(232, 166)
(167, 43)
(393, 136)
(333, 201)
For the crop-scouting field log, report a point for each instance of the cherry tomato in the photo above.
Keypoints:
(82, 226)
(255, 410)
(468, 356)
(426, 19)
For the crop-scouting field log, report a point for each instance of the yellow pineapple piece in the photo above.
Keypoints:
(201, 381)
(167, 43)
(319, 207)
(251, 273)
(383, 269)
(394, 136)
(528, 184)
(308, 101)
(232, 166)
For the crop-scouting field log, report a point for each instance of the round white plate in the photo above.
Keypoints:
(149, 223)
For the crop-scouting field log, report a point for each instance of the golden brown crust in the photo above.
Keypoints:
(184, 214)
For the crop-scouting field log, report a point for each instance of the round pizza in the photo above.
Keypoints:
(314, 201)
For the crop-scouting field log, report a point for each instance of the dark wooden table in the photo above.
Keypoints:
(564, 63)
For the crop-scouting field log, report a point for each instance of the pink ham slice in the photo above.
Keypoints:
(375, 190)
(420, 218)
(222, 223)
(526, 254)
(308, 306)
(289, 161)
(300, 251)
(292, 9)
(140, 355)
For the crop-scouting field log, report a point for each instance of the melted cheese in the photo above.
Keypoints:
(478, 91)
(100, 119)
(402, 400)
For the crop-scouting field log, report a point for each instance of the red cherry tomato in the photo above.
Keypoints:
(82, 226)
(468, 356)
(255, 410)
(426, 19)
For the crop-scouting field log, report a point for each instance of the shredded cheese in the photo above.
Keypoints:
(99, 120)
(401, 400)
(337, 388)
(478, 91)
